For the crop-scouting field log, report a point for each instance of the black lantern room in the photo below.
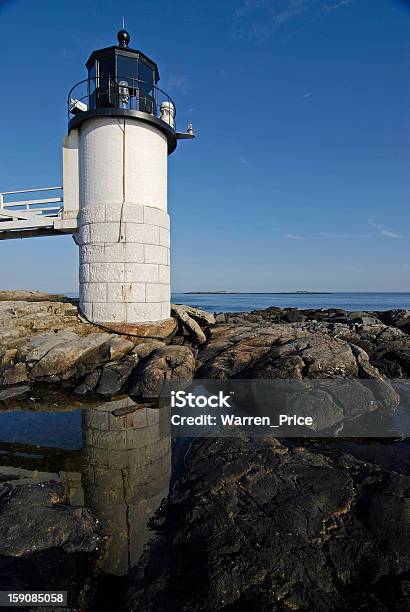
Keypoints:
(120, 77)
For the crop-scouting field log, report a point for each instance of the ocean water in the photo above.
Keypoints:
(245, 302)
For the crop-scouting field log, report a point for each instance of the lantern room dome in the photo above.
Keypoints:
(122, 82)
(112, 60)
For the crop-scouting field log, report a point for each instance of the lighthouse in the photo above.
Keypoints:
(121, 130)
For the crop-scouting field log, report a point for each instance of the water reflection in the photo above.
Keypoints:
(126, 474)
(121, 473)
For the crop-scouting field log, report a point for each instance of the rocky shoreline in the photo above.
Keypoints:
(48, 342)
(254, 524)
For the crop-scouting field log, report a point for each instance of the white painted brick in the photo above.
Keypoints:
(115, 252)
(104, 232)
(164, 237)
(109, 312)
(165, 310)
(139, 313)
(156, 254)
(126, 292)
(93, 292)
(135, 252)
(84, 273)
(164, 274)
(86, 308)
(107, 272)
(92, 253)
(113, 212)
(133, 213)
(84, 234)
(129, 211)
(157, 293)
(156, 216)
(141, 273)
(142, 233)
(92, 214)
(124, 252)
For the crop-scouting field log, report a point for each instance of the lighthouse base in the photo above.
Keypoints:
(158, 330)
(124, 264)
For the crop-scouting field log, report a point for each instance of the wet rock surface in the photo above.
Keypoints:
(261, 525)
(37, 516)
(257, 525)
(46, 541)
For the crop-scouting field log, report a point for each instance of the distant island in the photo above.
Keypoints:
(258, 292)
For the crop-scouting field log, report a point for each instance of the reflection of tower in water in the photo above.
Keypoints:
(127, 468)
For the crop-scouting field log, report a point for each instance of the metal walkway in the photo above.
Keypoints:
(29, 218)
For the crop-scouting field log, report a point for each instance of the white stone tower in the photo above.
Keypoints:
(121, 131)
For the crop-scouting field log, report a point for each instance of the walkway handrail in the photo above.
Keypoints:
(27, 203)
(30, 190)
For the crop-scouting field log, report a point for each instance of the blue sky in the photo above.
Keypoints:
(299, 176)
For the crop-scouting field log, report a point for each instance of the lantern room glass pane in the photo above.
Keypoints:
(145, 74)
(127, 68)
(104, 95)
(92, 75)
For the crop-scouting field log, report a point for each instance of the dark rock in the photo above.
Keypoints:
(46, 543)
(201, 316)
(114, 376)
(275, 351)
(396, 318)
(258, 526)
(189, 324)
(11, 392)
(89, 383)
(38, 516)
(220, 318)
(393, 360)
(13, 374)
(169, 362)
(366, 370)
(142, 350)
(115, 348)
(294, 316)
(339, 319)
(388, 348)
(365, 320)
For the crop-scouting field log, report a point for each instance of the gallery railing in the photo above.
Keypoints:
(123, 93)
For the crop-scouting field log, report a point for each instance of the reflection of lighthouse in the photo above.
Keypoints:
(126, 475)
